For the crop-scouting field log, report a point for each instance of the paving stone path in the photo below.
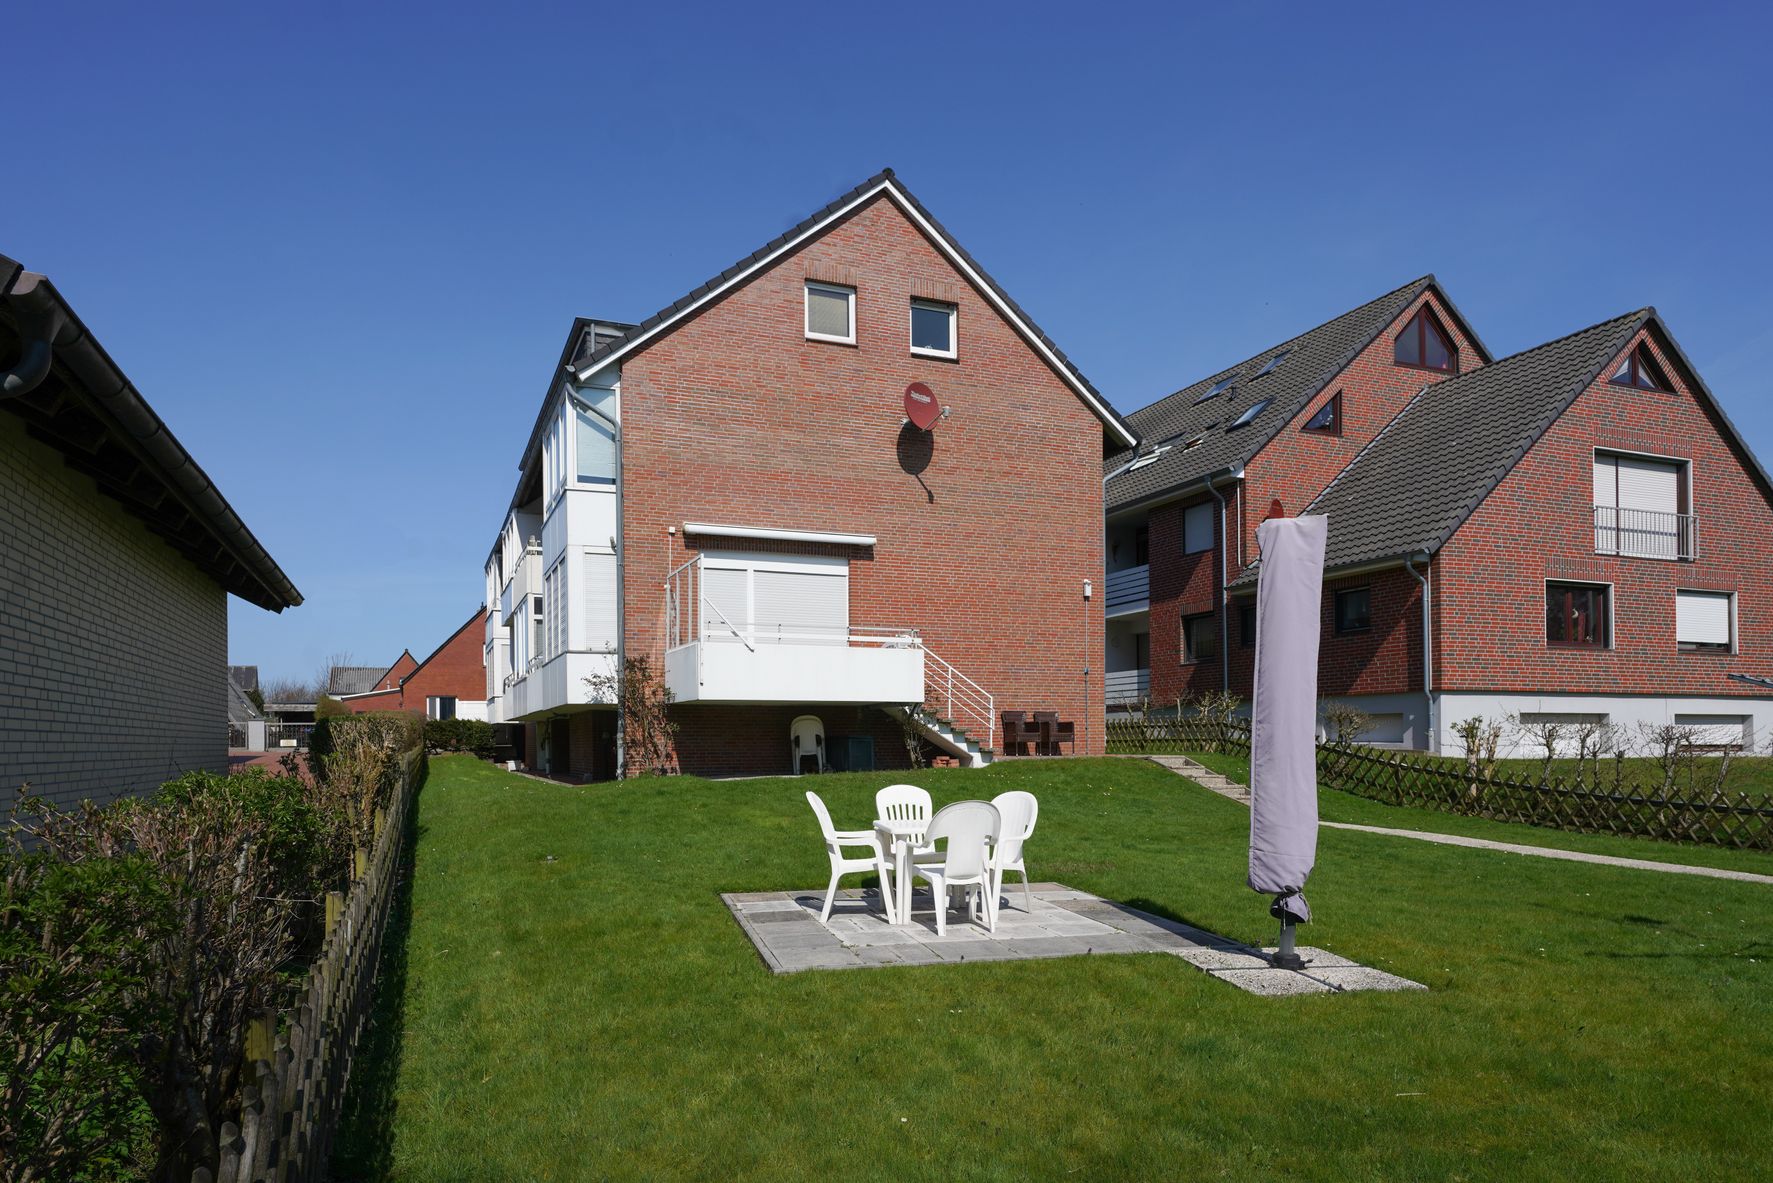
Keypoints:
(1060, 922)
(1225, 787)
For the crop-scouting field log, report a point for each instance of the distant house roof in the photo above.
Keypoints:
(72, 396)
(1228, 432)
(240, 708)
(353, 679)
(1420, 478)
(609, 341)
(244, 676)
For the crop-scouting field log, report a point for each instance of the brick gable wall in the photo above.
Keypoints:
(736, 418)
(1492, 582)
(1293, 468)
(456, 670)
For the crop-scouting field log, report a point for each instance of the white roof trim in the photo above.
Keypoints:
(1095, 404)
(774, 535)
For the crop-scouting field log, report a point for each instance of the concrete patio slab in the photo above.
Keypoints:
(1062, 922)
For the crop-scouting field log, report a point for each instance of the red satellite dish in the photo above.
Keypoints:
(921, 406)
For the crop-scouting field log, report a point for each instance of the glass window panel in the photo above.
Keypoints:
(597, 450)
(828, 312)
(1409, 343)
(1437, 352)
(932, 328)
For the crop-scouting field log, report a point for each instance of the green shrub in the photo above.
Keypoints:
(460, 735)
(328, 707)
(387, 731)
(281, 810)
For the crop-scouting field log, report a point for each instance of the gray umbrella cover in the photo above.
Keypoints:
(1283, 735)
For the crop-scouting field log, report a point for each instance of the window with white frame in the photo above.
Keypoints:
(775, 599)
(1197, 528)
(440, 707)
(830, 313)
(602, 601)
(1640, 507)
(933, 326)
(538, 627)
(1705, 622)
(594, 413)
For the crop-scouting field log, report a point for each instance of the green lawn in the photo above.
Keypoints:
(572, 1001)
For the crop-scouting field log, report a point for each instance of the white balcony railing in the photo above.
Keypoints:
(1121, 686)
(1128, 590)
(1645, 533)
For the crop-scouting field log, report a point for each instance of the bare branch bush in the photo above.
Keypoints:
(1345, 722)
(1545, 732)
(648, 730)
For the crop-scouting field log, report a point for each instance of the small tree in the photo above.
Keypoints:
(1663, 744)
(1543, 731)
(644, 701)
(913, 737)
(1346, 723)
(1479, 737)
(1215, 708)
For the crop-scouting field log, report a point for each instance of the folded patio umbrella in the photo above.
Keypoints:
(1283, 734)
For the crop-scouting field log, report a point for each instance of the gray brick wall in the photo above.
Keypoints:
(113, 648)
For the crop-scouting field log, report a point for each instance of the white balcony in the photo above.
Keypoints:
(526, 580)
(1128, 591)
(1124, 686)
(862, 668)
(711, 657)
(550, 686)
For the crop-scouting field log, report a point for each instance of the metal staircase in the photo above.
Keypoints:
(957, 714)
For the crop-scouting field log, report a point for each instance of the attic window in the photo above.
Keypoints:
(1639, 369)
(1149, 458)
(1425, 345)
(1195, 442)
(932, 328)
(1218, 387)
(1250, 412)
(1328, 420)
(830, 313)
(1273, 362)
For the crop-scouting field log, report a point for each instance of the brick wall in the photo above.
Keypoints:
(1491, 589)
(457, 669)
(1384, 659)
(113, 648)
(736, 418)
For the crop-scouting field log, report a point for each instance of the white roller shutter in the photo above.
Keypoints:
(727, 589)
(1647, 484)
(1702, 618)
(801, 607)
(1197, 528)
(602, 601)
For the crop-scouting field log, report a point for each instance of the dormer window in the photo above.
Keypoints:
(1328, 420)
(830, 313)
(1250, 413)
(1639, 369)
(1425, 345)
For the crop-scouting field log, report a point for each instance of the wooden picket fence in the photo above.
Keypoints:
(1435, 782)
(1442, 783)
(300, 1061)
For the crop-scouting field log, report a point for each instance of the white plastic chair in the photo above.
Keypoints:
(903, 803)
(1018, 810)
(841, 865)
(967, 827)
(806, 737)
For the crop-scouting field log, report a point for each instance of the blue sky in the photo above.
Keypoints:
(339, 247)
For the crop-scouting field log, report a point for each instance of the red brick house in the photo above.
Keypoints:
(449, 684)
(1586, 524)
(731, 489)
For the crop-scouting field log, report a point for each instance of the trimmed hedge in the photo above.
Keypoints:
(474, 736)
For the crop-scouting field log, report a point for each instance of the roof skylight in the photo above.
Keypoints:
(1250, 412)
(1273, 362)
(1218, 387)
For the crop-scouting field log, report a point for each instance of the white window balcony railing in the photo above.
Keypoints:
(1128, 590)
(1123, 686)
(1645, 533)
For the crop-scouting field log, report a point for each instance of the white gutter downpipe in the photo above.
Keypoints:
(1427, 644)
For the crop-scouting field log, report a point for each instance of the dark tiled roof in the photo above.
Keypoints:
(244, 676)
(240, 708)
(1313, 360)
(354, 679)
(1424, 474)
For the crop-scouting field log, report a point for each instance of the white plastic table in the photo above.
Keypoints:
(904, 836)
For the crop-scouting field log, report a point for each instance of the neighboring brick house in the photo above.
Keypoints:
(1218, 453)
(117, 555)
(1590, 531)
(449, 684)
(730, 489)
